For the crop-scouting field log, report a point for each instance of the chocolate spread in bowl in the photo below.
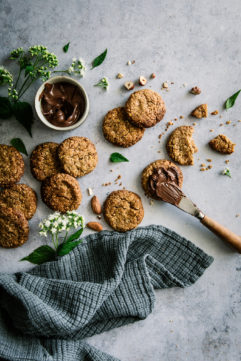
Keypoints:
(164, 184)
(62, 103)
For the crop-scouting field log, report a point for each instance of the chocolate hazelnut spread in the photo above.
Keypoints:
(164, 184)
(62, 103)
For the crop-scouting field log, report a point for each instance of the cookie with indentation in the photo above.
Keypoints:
(61, 192)
(145, 108)
(14, 228)
(11, 165)
(123, 210)
(44, 161)
(78, 156)
(222, 144)
(118, 130)
(21, 198)
(180, 145)
(170, 172)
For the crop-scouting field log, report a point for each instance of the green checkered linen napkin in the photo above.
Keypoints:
(106, 282)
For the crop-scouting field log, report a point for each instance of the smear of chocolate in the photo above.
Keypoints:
(62, 103)
(164, 184)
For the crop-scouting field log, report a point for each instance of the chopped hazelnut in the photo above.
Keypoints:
(202, 169)
(133, 62)
(221, 124)
(129, 62)
(228, 122)
(165, 85)
(90, 191)
(215, 112)
(142, 80)
(210, 166)
(153, 75)
(209, 160)
(226, 161)
(181, 117)
(129, 85)
(194, 123)
(203, 165)
(211, 130)
(195, 90)
(119, 76)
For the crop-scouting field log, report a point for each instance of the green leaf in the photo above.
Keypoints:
(66, 47)
(24, 114)
(28, 69)
(231, 101)
(99, 59)
(5, 108)
(75, 235)
(65, 248)
(117, 157)
(19, 145)
(40, 255)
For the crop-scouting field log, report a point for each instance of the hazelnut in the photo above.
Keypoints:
(129, 85)
(195, 90)
(165, 85)
(153, 75)
(142, 80)
(119, 76)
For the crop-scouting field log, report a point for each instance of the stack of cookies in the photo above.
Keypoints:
(125, 126)
(18, 202)
(58, 165)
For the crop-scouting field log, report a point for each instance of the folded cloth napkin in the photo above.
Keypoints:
(106, 282)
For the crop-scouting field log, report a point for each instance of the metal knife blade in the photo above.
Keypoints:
(187, 205)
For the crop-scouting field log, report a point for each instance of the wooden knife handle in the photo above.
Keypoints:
(222, 232)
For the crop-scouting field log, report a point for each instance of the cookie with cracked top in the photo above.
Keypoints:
(167, 166)
(180, 145)
(61, 192)
(11, 165)
(14, 228)
(78, 156)
(145, 108)
(21, 198)
(44, 161)
(118, 130)
(123, 210)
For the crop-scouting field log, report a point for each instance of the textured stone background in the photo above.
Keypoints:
(195, 42)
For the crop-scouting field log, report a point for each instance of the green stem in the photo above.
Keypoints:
(19, 73)
(24, 83)
(60, 71)
(66, 234)
(23, 91)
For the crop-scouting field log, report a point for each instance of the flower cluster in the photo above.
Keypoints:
(227, 172)
(77, 67)
(103, 83)
(57, 223)
(5, 76)
(16, 53)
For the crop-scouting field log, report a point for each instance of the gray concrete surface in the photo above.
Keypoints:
(187, 42)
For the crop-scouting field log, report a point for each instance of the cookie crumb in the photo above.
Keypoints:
(194, 124)
(165, 85)
(151, 202)
(99, 216)
(153, 75)
(129, 62)
(175, 119)
(209, 160)
(209, 166)
(133, 62)
(215, 112)
(237, 215)
(221, 124)
(228, 122)
(227, 161)
(195, 90)
(200, 112)
(202, 169)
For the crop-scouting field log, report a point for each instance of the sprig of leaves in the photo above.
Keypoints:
(117, 157)
(231, 100)
(103, 83)
(99, 59)
(66, 47)
(18, 144)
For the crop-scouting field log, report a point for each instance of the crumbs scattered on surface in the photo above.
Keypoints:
(215, 112)
(228, 122)
(211, 130)
(106, 184)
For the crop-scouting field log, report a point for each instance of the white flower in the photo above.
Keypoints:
(70, 70)
(53, 230)
(40, 225)
(47, 223)
(74, 60)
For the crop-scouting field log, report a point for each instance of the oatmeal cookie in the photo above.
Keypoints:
(170, 171)
(145, 108)
(21, 198)
(180, 145)
(118, 130)
(44, 161)
(123, 210)
(11, 165)
(200, 112)
(61, 192)
(78, 156)
(14, 228)
(222, 144)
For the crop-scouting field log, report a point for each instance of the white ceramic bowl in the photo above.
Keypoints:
(58, 79)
